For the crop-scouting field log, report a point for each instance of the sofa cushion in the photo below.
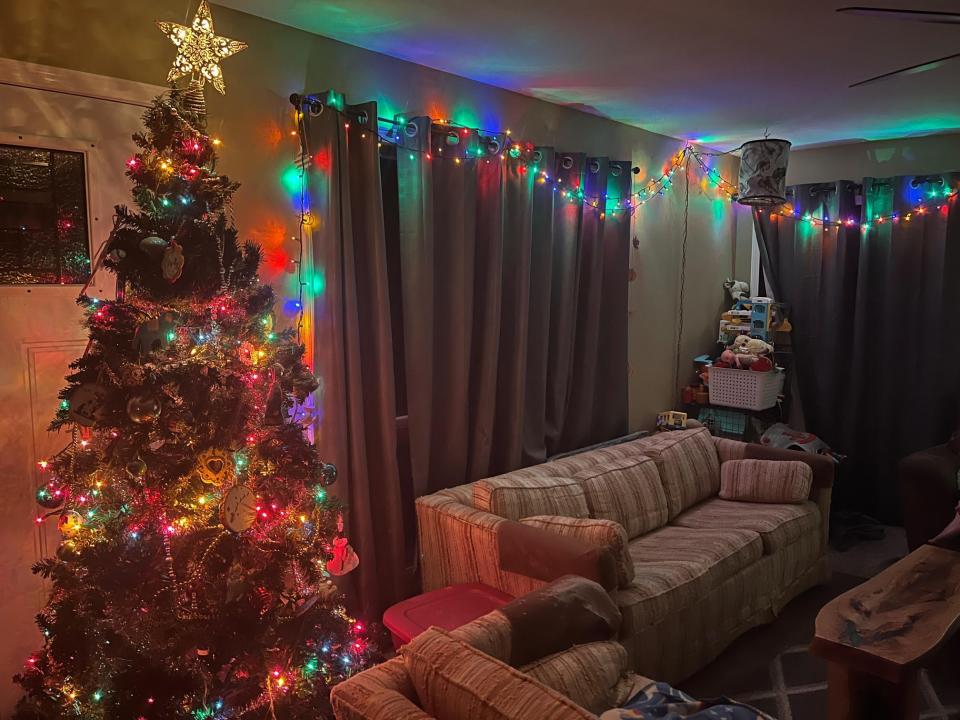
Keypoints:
(603, 533)
(519, 497)
(454, 681)
(587, 674)
(765, 481)
(627, 491)
(675, 566)
(778, 524)
(688, 465)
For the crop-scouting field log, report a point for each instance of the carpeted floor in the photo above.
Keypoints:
(770, 668)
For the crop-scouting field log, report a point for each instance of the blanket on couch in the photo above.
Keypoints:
(659, 701)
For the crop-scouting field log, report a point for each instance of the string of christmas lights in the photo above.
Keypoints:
(937, 201)
(452, 140)
(490, 147)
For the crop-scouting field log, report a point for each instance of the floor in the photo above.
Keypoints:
(770, 668)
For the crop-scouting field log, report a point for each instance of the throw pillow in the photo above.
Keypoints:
(455, 681)
(766, 481)
(515, 497)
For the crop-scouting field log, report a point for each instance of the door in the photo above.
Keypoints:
(88, 120)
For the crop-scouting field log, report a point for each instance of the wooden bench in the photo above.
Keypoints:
(877, 636)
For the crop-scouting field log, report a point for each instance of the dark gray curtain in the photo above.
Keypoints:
(875, 321)
(514, 307)
(353, 346)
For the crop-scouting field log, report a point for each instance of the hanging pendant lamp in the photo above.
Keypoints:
(763, 172)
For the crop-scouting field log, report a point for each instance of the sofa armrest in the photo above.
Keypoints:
(383, 692)
(458, 544)
(545, 555)
(601, 532)
(929, 488)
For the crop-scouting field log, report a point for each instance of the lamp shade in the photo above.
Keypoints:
(763, 172)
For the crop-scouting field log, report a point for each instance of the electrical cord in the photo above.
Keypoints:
(683, 279)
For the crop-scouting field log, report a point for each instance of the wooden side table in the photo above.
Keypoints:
(877, 636)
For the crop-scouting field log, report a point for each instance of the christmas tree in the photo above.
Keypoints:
(199, 533)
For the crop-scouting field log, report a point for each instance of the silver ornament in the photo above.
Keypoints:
(153, 246)
(143, 409)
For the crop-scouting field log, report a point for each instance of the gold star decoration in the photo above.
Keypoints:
(199, 49)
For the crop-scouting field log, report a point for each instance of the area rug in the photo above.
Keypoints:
(769, 667)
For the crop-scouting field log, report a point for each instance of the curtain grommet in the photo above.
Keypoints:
(566, 162)
(410, 130)
(315, 108)
(493, 146)
(537, 156)
(594, 166)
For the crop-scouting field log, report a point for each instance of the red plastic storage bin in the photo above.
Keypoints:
(448, 607)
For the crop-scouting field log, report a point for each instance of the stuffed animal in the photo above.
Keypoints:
(738, 290)
(747, 353)
(746, 345)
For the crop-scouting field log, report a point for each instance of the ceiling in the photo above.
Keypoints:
(717, 71)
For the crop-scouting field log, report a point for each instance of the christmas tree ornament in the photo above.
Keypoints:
(344, 559)
(70, 523)
(156, 334)
(215, 466)
(154, 246)
(327, 475)
(275, 413)
(172, 263)
(143, 408)
(238, 511)
(86, 403)
(303, 382)
(136, 469)
(199, 49)
(50, 496)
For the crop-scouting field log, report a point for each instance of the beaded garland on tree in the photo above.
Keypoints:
(194, 577)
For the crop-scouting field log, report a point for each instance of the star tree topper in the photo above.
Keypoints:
(199, 49)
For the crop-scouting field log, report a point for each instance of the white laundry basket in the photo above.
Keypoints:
(746, 389)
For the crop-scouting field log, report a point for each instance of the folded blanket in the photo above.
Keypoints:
(659, 701)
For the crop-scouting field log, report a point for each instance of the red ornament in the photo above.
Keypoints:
(344, 558)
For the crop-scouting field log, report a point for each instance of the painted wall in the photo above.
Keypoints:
(884, 158)
(119, 39)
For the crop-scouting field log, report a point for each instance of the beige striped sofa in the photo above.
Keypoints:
(688, 570)
(578, 661)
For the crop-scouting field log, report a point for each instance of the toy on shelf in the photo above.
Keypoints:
(759, 317)
(671, 420)
(724, 423)
(747, 353)
(738, 290)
